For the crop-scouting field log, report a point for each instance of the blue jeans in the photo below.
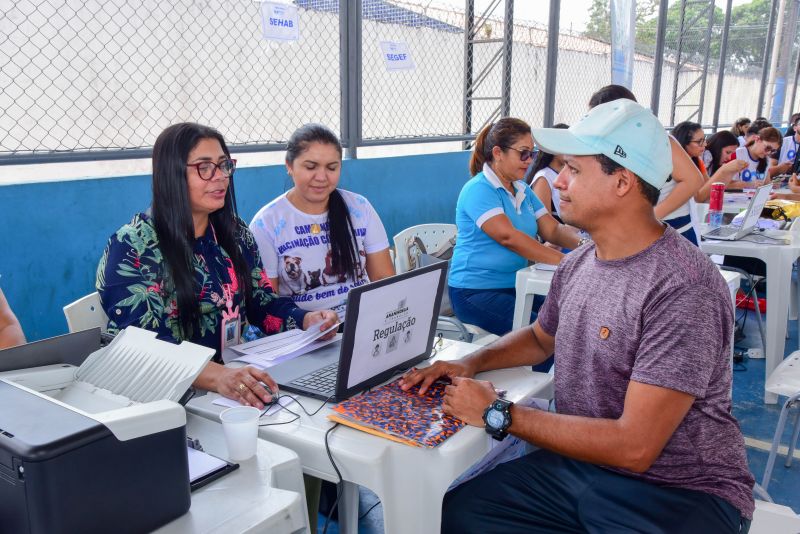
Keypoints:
(492, 310)
(545, 492)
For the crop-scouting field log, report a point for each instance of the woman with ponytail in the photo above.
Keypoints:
(188, 268)
(498, 218)
(317, 241)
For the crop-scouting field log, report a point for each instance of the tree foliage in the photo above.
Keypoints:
(746, 39)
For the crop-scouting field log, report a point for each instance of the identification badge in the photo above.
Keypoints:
(231, 328)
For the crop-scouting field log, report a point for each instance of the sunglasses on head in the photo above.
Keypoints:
(524, 153)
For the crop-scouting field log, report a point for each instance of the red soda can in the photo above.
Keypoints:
(717, 191)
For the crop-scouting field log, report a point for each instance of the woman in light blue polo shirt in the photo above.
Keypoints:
(498, 218)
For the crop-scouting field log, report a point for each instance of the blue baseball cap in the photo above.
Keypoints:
(624, 131)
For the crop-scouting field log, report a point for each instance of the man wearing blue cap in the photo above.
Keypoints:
(643, 438)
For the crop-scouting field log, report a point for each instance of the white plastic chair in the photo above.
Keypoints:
(436, 240)
(85, 313)
(784, 381)
(432, 239)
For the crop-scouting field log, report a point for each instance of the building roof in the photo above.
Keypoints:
(383, 11)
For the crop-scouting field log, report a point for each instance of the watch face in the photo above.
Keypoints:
(495, 419)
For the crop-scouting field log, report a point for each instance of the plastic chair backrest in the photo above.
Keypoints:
(435, 239)
(85, 313)
(785, 379)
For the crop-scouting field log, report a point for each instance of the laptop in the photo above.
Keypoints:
(389, 327)
(732, 233)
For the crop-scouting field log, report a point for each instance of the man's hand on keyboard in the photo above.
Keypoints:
(428, 375)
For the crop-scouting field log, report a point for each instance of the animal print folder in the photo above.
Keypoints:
(403, 416)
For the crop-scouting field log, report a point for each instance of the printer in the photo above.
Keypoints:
(99, 446)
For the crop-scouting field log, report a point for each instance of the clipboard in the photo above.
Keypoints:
(212, 476)
(207, 467)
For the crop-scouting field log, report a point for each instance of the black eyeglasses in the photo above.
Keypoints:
(524, 153)
(207, 169)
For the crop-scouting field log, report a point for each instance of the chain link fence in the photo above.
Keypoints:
(419, 97)
(111, 74)
(584, 66)
(528, 70)
(96, 76)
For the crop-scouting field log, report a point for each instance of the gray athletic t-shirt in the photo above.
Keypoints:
(661, 317)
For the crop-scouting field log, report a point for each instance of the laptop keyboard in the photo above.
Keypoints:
(722, 231)
(323, 379)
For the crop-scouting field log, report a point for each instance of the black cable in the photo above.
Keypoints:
(338, 484)
(296, 415)
(371, 508)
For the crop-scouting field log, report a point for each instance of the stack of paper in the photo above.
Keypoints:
(268, 351)
(202, 464)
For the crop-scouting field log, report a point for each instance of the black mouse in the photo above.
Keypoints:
(272, 396)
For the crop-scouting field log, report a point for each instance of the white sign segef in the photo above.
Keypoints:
(396, 55)
(279, 22)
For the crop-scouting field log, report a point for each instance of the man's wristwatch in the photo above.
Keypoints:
(497, 418)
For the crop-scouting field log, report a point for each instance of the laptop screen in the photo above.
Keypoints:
(392, 322)
(757, 204)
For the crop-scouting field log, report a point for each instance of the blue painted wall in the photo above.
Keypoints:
(52, 234)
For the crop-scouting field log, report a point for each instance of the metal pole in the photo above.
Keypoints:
(658, 58)
(711, 7)
(767, 55)
(344, 76)
(723, 56)
(796, 75)
(677, 65)
(773, 63)
(552, 60)
(351, 90)
(781, 62)
(469, 28)
(623, 34)
(508, 39)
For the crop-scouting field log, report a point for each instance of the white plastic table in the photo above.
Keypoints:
(779, 260)
(265, 494)
(410, 481)
(531, 281)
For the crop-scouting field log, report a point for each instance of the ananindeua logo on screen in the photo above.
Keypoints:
(401, 319)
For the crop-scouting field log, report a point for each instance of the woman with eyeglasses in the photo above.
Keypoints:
(693, 140)
(759, 154)
(498, 219)
(188, 268)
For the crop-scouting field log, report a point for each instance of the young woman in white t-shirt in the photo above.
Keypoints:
(757, 154)
(317, 241)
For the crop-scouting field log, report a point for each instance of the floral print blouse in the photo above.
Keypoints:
(135, 288)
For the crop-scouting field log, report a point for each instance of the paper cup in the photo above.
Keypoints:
(240, 425)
